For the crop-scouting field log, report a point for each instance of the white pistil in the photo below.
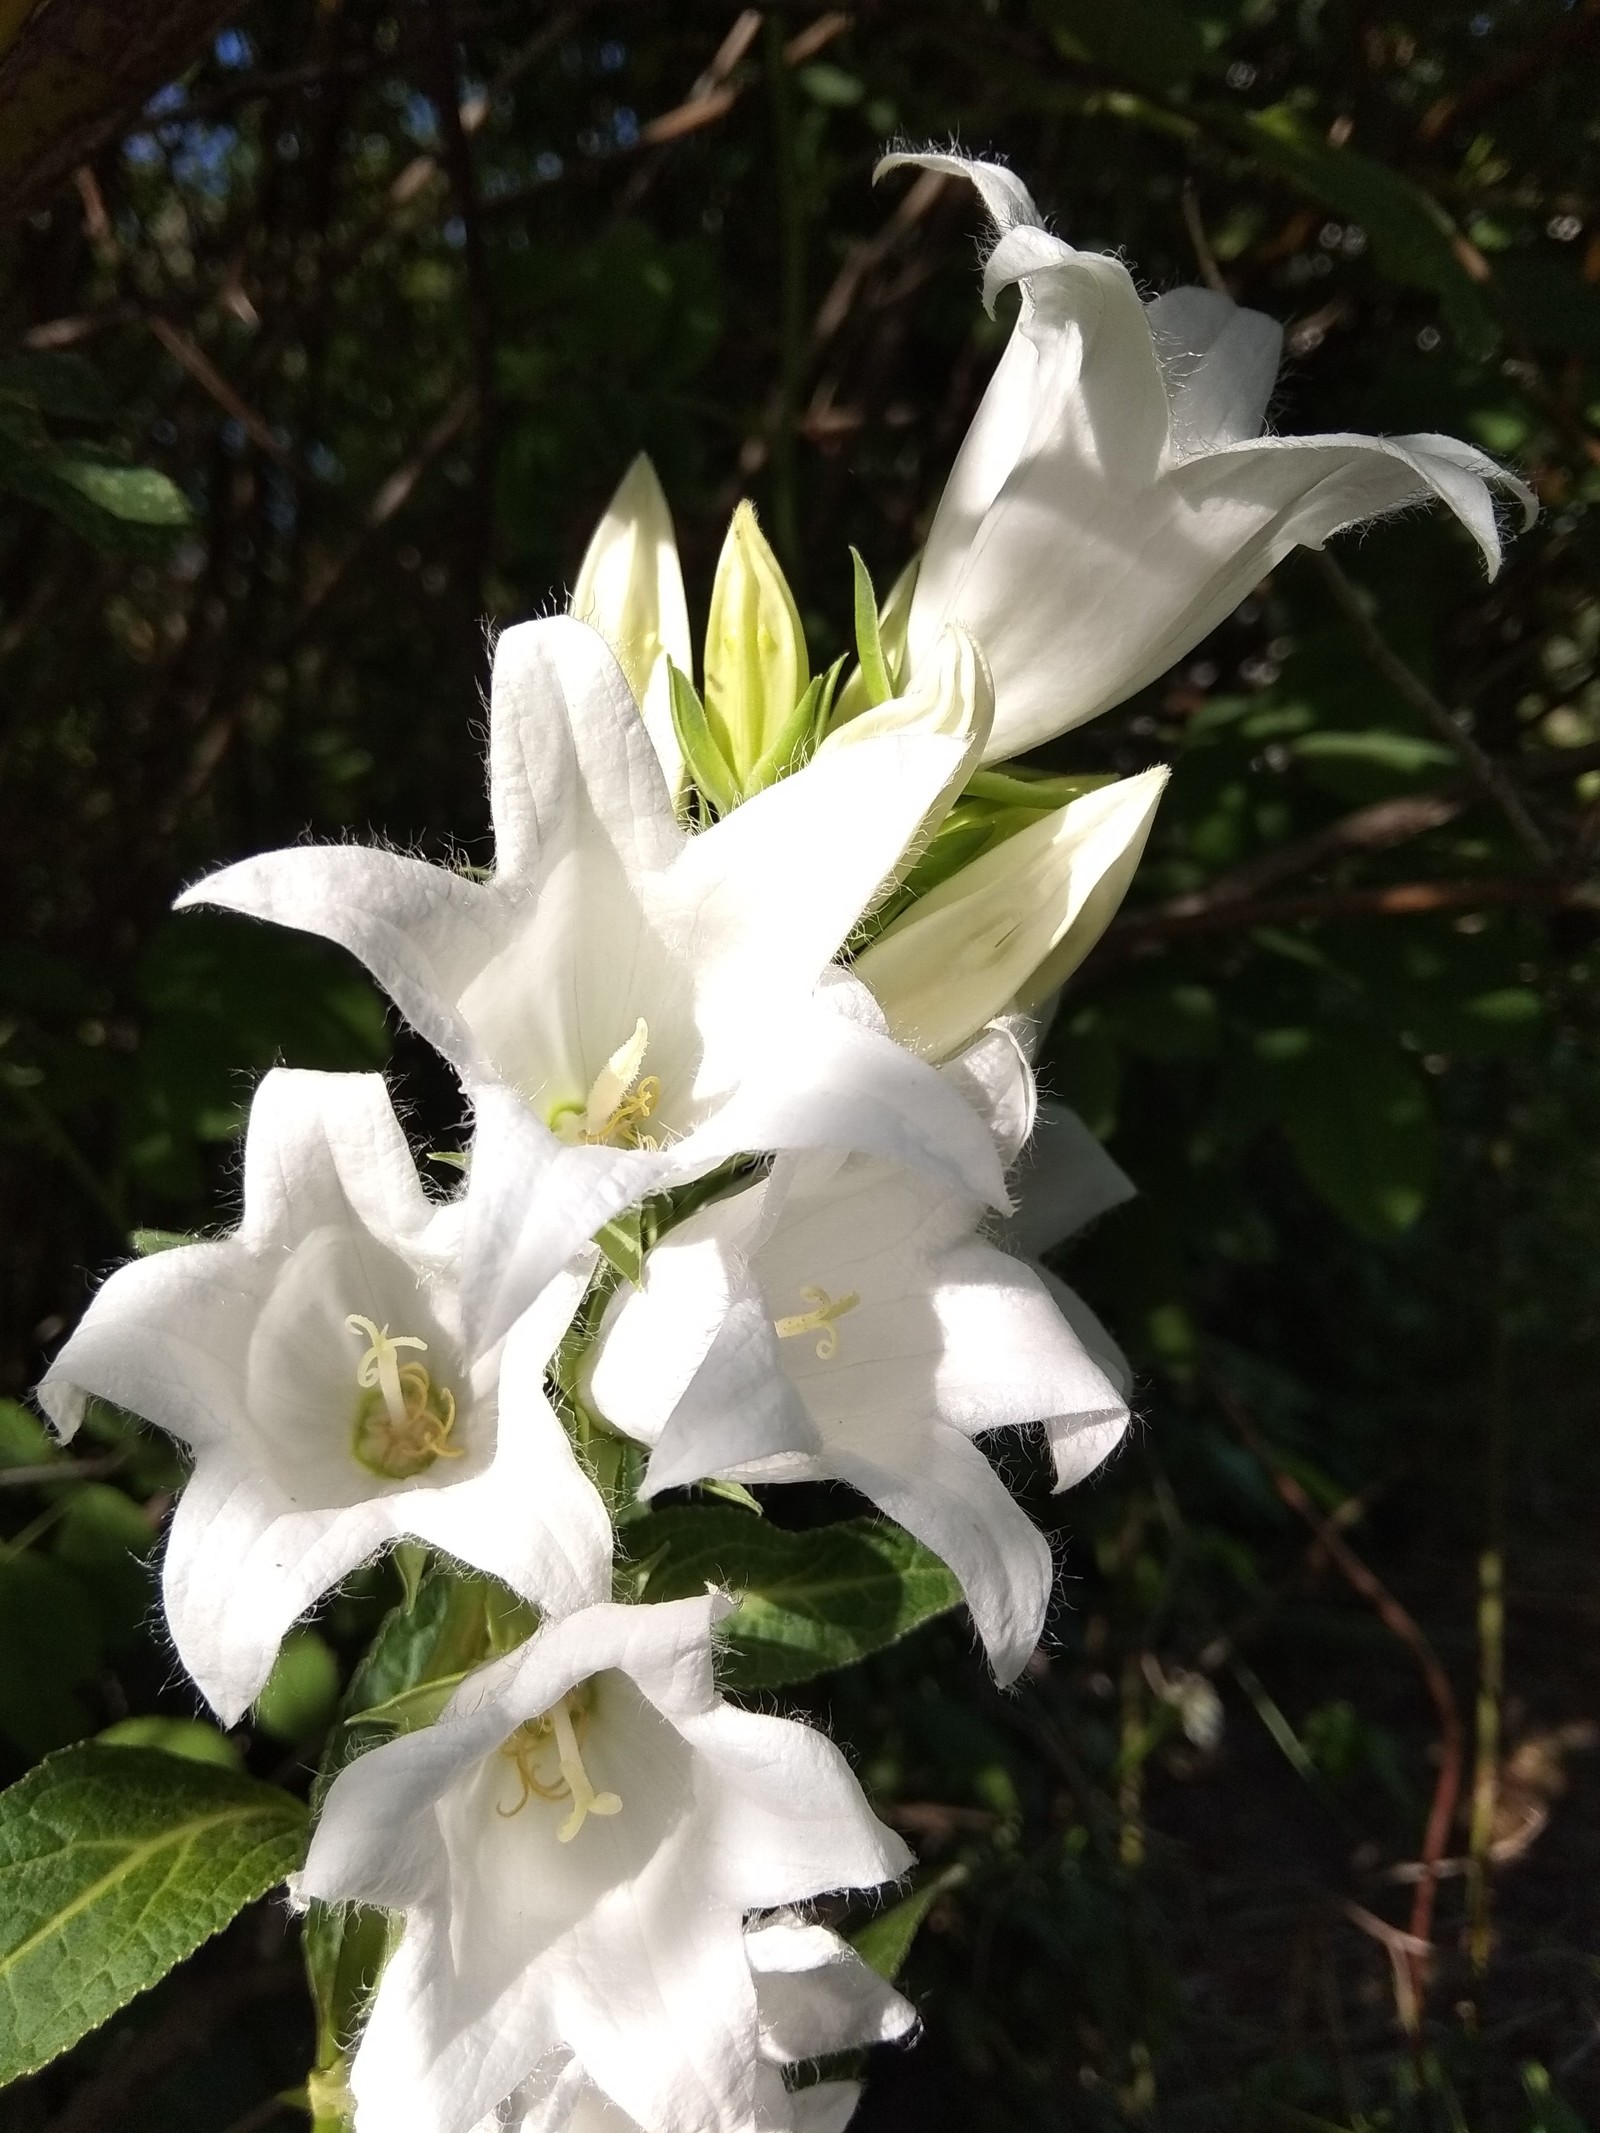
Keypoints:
(524, 1748)
(379, 1367)
(585, 1800)
(825, 1309)
(619, 1102)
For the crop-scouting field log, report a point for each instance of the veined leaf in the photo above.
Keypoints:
(808, 1602)
(116, 1863)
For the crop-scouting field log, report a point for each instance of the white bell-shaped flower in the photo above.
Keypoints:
(327, 1371)
(814, 1997)
(1115, 498)
(848, 1320)
(659, 1002)
(575, 1846)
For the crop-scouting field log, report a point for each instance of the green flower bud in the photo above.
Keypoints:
(756, 670)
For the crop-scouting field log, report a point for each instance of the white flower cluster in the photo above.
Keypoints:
(741, 1016)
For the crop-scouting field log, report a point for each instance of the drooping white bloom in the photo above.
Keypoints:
(1063, 1180)
(630, 587)
(1115, 499)
(575, 1846)
(847, 1320)
(1007, 929)
(327, 1368)
(660, 1002)
(814, 1997)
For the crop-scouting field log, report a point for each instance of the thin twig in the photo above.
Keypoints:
(1206, 259)
(1403, 1625)
(24, 1477)
(480, 299)
(188, 353)
(1401, 899)
(1410, 686)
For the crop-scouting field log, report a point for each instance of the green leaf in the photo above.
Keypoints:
(106, 1539)
(139, 495)
(1144, 41)
(57, 384)
(808, 1602)
(24, 1440)
(869, 645)
(301, 1690)
(49, 1649)
(1547, 2111)
(195, 1739)
(1413, 239)
(115, 1864)
(1358, 1117)
(885, 1941)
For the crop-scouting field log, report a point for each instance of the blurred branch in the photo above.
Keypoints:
(1368, 829)
(57, 1470)
(74, 71)
(1401, 899)
(185, 350)
(480, 294)
(1415, 1947)
(1511, 74)
(1410, 686)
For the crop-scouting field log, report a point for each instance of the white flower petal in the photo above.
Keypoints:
(1115, 453)
(241, 1566)
(1064, 1181)
(816, 1996)
(1012, 923)
(940, 1487)
(630, 588)
(1220, 363)
(422, 931)
(164, 1337)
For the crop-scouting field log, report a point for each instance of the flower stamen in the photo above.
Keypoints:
(404, 1423)
(820, 1319)
(529, 1743)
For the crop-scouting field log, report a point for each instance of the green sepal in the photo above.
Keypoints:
(147, 1242)
(869, 643)
(885, 1940)
(621, 1240)
(704, 760)
(1041, 790)
(793, 743)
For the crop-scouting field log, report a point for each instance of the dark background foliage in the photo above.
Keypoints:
(391, 290)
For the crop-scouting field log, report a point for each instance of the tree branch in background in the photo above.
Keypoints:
(74, 71)
(1402, 1624)
(1410, 686)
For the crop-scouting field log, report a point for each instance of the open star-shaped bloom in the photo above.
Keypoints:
(846, 1319)
(575, 1847)
(325, 1367)
(1115, 498)
(814, 1997)
(661, 1002)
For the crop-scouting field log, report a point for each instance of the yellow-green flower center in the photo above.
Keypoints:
(403, 1421)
